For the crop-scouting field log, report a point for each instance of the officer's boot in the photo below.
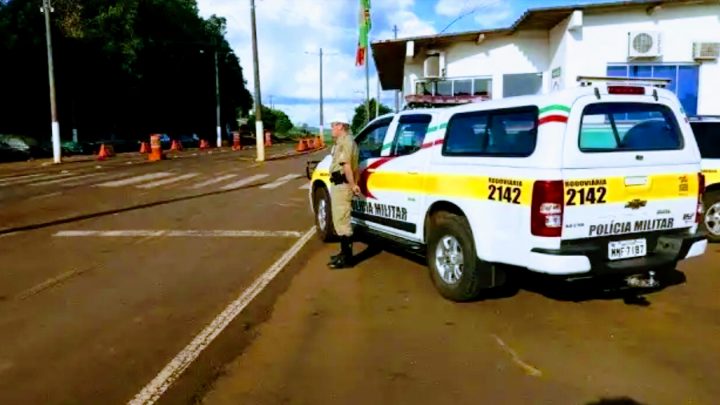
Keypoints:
(344, 259)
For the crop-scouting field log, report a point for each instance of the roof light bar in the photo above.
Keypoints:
(586, 81)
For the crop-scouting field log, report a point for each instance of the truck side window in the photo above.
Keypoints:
(494, 133)
(370, 140)
(410, 134)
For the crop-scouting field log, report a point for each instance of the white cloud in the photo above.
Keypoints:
(288, 29)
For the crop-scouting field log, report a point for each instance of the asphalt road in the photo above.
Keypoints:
(110, 269)
(95, 301)
(380, 334)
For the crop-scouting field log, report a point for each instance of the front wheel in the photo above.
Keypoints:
(454, 268)
(323, 215)
(711, 223)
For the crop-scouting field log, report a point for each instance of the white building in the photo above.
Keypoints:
(548, 48)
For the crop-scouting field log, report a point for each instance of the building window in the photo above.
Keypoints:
(522, 84)
(455, 87)
(684, 79)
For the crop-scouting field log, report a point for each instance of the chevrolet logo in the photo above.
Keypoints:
(635, 204)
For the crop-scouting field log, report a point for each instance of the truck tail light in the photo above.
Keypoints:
(701, 191)
(626, 90)
(546, 218)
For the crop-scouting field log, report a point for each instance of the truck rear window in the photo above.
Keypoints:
(707, 135)
(629, 127)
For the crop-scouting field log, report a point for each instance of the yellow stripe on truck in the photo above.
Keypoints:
(712, 176)
(580, 191)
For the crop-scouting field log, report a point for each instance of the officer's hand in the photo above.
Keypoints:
(356, 190)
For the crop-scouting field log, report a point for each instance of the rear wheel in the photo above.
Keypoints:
(711, 223)
(454, 267)
(323, 215)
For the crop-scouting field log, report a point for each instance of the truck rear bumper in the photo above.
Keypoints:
(590, 258)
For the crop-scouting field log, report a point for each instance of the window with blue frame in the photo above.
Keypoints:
(684, 80)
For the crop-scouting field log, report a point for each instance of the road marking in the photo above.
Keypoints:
(136, 179)
(14, 178)
(529, 370)
(40, 197)
(49, 283)
(27, 180)
(305, 186)
(213, 181)
(182, 360)
(244, 182)
(280, 181)
(136, 233)
(56, 181)
(168, 181)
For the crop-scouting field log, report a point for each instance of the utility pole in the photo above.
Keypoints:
(397, 93)
(367, 91)
(217, 100)
(47, 9)
(377, 100)
(322, 126)
(259, 133)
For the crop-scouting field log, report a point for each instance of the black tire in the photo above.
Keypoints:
(326, 232)
(468, 286)
(711, 201)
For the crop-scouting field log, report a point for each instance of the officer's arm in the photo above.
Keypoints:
(349, 175)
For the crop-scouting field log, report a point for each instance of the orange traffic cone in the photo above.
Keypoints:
(236, 141)
(319, 142)
(268, 139)
(174, 145)
(103, 153)
(301, 146)
(203, 144)
(144, 147)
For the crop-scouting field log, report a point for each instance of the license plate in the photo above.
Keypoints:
(626, 249)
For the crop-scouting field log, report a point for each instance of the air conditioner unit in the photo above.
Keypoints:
(643, 44)
(706, 50)
(434, 65)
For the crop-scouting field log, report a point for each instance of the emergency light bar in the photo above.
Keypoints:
(586, 81)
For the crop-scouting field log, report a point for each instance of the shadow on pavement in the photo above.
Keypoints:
(601, 288)
(77, 218)
(615, 401)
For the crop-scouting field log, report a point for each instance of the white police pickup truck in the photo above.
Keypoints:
(600, 179)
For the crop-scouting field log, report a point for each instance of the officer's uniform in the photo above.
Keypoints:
(345, 151)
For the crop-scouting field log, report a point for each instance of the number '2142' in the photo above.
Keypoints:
(504, 193)
(582, 196)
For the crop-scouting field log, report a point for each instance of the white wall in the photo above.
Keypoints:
(603, 39)
(524, 52)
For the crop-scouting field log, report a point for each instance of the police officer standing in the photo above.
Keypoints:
(343, 176)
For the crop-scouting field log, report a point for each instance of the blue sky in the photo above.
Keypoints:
(290, 32)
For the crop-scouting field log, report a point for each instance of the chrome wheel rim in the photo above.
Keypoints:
(449, 259)
(712, 219)
(322, 214)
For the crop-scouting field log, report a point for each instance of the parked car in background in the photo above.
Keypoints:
(189, 140)
(707, 134)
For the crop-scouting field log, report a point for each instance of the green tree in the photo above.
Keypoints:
(274, 120)
(359, 119)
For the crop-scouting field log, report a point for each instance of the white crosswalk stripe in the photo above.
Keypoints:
(213, 181)
(305, 186)
(280, 181)
(244, 182)
(17, 178)
(168, 181)
(64, 180)
(41, 178)
(135, 180)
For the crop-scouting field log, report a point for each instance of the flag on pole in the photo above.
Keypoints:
(364, 30)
